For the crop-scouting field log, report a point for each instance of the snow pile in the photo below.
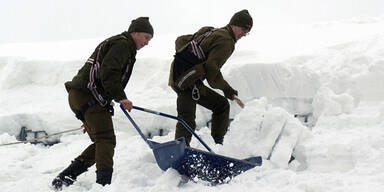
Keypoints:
(263, 130)
(328, 103)
(336, 142)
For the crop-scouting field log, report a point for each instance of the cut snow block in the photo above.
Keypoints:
(197, 164)
(271, 128)
(282, 153)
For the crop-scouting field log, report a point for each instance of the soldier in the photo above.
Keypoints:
(200, 56)
(101, 80)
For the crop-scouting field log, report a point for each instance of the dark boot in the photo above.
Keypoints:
(69, 175)
(219, 139)
(104, 176)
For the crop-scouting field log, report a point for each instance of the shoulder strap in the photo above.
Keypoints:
(94, 71)
(196, 49)
(206, 34)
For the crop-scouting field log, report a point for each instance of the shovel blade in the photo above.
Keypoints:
(211, 167)
(169, 153)
(198, 164)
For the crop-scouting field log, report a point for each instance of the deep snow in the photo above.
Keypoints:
(330, 73)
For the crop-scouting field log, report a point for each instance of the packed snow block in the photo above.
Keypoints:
(279, 135)
(327, 103)
(271, 128)
(267, 131)
(287, 142)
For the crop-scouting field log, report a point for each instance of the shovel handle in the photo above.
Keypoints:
(178, 119)
(136, 127)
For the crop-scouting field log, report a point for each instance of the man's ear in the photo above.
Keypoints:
(133, 34)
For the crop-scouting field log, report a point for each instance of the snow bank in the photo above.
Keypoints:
(272, 80)
(354, 67)
(43, 82)
(291, 84)
(288, 72)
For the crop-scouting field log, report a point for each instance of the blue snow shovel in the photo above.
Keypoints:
(191, 162)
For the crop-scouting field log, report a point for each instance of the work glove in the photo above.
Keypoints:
(229, 93)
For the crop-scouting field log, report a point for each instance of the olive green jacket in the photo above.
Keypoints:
(116, 57)
(218, 47)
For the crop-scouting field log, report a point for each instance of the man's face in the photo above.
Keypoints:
(239, 31)
(141, 39)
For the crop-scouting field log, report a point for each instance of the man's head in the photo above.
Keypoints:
(141, 31)
(241, 23)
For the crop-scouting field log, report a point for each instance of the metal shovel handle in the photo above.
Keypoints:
(175, 118)
(136, 127)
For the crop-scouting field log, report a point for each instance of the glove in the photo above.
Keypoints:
(229, 92)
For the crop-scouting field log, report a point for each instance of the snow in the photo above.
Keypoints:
(330, 75)
(327, 103)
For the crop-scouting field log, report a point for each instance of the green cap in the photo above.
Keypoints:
(242, 19)
(141, 24)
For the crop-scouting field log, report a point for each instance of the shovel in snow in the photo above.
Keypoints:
(191, 162)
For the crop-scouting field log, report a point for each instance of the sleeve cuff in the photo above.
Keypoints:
(120, 97)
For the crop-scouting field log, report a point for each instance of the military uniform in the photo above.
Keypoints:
(217, 47)
(117, 57)
(101, 80)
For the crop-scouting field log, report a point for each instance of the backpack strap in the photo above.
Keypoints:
(196, 48)
(94, 73)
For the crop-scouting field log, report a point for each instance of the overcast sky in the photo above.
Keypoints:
(52, 20)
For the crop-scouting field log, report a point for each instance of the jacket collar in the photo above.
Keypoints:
(128, 36)
(230, 31)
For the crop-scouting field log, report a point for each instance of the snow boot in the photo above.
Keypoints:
(219, 139)
(69, 175)
(104, 176)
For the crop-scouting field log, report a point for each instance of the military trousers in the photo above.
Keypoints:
(98, 125)
(186, 110)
